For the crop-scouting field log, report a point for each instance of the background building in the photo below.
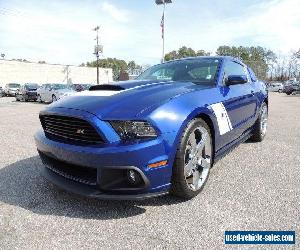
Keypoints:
(12, 71)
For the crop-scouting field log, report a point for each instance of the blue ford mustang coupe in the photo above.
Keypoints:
(158, 134)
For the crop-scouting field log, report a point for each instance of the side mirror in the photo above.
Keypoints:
(236, 79)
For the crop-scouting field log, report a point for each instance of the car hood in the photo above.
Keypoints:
(125, 100)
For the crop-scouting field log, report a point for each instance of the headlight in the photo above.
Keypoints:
(133, 129)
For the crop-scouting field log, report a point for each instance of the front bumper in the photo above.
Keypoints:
(102, 160)
(84, 190)
(31, 96)
(11, 93)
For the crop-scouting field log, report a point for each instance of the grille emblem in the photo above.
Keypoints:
(80, 131)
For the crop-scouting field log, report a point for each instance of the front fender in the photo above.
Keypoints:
(171, 119)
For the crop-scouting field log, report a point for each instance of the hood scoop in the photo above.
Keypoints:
(106, 87)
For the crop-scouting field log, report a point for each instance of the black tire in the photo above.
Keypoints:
(39, 99)
(258, 131)
(54, 99)
(179, 186)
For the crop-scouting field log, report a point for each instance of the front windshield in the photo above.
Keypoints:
(14, 85)
(60, 86)
(32, 86)
(200, 71)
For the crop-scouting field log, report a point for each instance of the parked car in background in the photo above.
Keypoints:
(53, 92)
(293, 88)
(87, 86)
(77, 87)
(275, 87)
(1, 92)
(288, 82)
(81, 87)
(27, 92)
(11, 89)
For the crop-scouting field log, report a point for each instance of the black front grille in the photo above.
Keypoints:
(80, 174)
(70, 130)
(31, 93)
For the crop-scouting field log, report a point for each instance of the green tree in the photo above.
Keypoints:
(202, 52)
(258, 58)
(117, 65)
(171, 55)
(131, 67)
(184, 52)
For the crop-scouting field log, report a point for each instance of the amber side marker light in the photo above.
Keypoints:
(158, 164)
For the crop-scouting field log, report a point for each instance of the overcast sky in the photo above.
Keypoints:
(60, 31)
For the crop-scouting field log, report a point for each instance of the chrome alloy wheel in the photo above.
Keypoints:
(197, 159)
(264, 120)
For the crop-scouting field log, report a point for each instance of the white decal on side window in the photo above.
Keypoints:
(223, 119)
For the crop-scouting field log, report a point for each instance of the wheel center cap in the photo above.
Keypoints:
(195, 160)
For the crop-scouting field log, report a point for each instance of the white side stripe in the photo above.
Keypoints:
(223, 119)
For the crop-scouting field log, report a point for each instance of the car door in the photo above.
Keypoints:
(22, 91)
(239, 101)
(19, 93)
(41, 92)
(48, 92)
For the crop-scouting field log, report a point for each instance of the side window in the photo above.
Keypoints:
(233, 68)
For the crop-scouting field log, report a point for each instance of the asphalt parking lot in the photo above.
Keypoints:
(256, 187)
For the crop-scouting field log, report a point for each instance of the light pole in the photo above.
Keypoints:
(97, 50)
(162, 24)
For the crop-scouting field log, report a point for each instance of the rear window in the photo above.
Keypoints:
(14, 85)
(60, 86)
(31, 86)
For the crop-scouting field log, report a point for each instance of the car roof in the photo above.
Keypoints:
(207, 57)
